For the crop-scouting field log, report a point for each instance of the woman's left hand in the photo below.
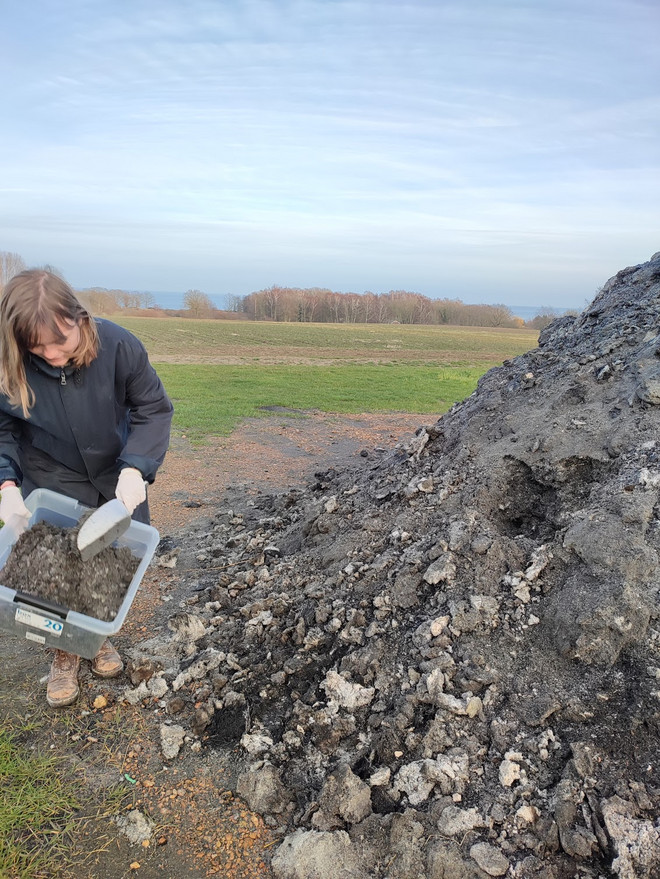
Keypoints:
(12, 507)
(131, 488)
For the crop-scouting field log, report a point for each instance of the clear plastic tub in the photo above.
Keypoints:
(43, 622)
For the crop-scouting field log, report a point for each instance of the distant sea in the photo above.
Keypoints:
(528, 312)
(175, 301)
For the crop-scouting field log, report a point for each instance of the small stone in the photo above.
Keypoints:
(141, 669)
(171, 740)
(168, 559)
(527, 814)
(474, 706)
(348, 695)
(136, 827)
(157, 686)
(262, 789)
(438, 625)
(343, 798)
(442, 570)
(380, 777)
(481, 544)
(489, 859)
(175, 705)
(186, 627)
(256, 743)
(457, 822)
(522, 593)
(509, 773)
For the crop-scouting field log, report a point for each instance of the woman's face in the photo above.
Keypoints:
(57, 351)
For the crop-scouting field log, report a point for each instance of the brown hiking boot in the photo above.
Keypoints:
(62, 688)
(107, 663)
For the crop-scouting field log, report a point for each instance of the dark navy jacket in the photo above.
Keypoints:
(88, 423)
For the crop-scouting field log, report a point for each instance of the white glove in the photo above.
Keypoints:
(11, 504)
(131, 488)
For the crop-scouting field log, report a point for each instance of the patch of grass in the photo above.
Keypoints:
(101, 737)
(36, 807)
(210, 399)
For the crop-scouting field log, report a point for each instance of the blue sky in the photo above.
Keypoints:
(487, 151)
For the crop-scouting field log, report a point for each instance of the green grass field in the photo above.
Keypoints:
(209, 400)
(251, 341)
(218, 372)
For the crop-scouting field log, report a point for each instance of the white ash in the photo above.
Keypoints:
(136, 826)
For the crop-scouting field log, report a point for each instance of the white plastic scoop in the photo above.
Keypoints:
(103, 527)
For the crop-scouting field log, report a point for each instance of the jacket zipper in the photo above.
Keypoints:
(62, 377)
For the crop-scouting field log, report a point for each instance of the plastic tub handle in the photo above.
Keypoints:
(42, 604)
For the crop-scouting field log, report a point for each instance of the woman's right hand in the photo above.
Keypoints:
(131, 488)
(11, 504)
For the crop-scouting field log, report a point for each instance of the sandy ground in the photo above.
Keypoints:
(273, 453)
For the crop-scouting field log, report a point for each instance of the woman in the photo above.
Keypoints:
(82, 412)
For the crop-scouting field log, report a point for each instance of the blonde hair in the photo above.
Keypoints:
(33, 301)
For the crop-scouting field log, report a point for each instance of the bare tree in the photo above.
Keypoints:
(10, 264)
(308, 301)
(272, 297)
(352, 306)
(543, 318)
(99, 300)
(500, 316)
(369, 302)
(198, 303)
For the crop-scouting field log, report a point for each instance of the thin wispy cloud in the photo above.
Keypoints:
(450, 148)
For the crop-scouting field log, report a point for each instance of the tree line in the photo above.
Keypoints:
(398, 306)
(312, 304)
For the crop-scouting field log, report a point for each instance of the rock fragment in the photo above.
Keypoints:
(322, 855)
(135, 826)
(490, 859)
(171, 739)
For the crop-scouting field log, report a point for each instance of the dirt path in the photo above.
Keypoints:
(266, 454)
(113, 749)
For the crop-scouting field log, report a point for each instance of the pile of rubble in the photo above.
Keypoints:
(446, 663)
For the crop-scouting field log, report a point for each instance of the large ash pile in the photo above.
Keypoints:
(447, 664)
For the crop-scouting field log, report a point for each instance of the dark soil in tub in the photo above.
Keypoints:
(45, 562)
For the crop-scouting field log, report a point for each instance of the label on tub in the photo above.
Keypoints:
(32, 636)
(37, 621)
